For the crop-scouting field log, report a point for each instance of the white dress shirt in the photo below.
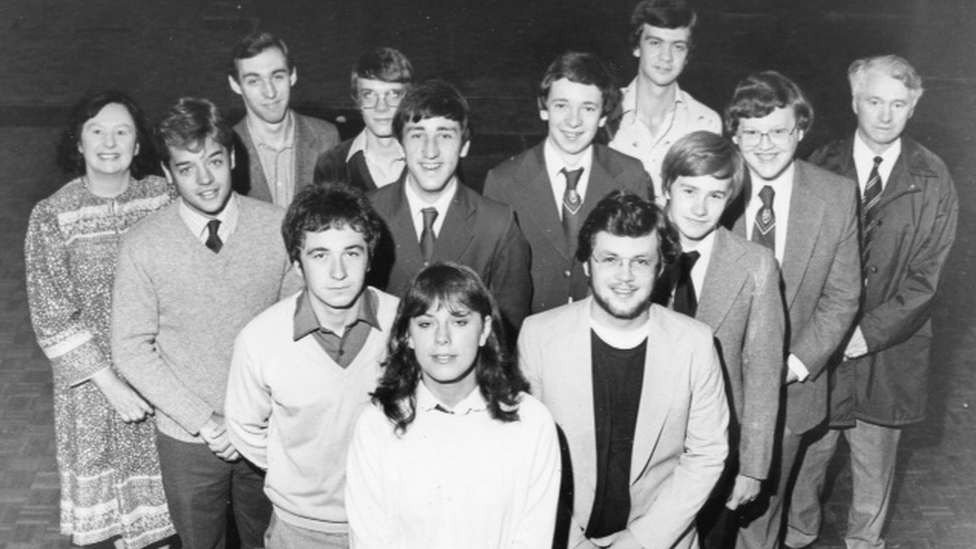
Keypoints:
(554, 167)
(864, 161)
(417, 205)
(197, 222)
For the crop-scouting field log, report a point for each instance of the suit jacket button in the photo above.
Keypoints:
(873, 269)
(568, 274)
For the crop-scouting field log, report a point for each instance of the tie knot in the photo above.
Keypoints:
(430, 215)
(212, 227)
(766, 194)
(572, 177)
(877, 161)
(688, 259)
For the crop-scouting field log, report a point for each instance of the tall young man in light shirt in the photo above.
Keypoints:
(732, 285)
(636, 389)
(303, 369)
(374, 158)
(909, 210)
(189, 277)
(655, 111)
(432, 216)
(277, 147)
(808, 217)
(575, 97)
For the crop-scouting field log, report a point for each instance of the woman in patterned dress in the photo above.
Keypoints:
(106, 453)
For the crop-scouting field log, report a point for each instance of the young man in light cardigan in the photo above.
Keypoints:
(303, 370)
(189, 277)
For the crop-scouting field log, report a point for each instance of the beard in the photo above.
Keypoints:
(631, 313)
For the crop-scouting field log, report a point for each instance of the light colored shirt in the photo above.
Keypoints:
(382, 172)
(637, 140)
(417, 205)
(554, 167)
(278, 163)
(864, 161)
(197, 222)
(783, 189)
(619, 339)
(704, 249)
(455, 478)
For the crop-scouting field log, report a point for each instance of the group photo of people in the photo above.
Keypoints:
(660, 325)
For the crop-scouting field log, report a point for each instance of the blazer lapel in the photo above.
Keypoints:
(600, 183)
(534, 189)
(806, 213)
(455, 234)
(661, 374)
(723, 280)
(408, 257)
(577, 386)
(306, 147)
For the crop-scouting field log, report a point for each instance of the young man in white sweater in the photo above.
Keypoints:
(189, 277)
(303, 370)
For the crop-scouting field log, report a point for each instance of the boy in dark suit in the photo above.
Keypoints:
(554, 185)
(374, 158)
(431, 216)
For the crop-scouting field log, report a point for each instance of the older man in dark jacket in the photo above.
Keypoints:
(908, 223)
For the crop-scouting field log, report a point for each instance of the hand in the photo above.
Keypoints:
(745, 492)
(214, 433)
(121, 396)
(857, 346)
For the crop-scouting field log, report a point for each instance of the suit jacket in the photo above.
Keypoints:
(312, 138)
(680, 441)
(740, 300)
(821, 271)
(477, 232)
(917, 216)
(523, 183)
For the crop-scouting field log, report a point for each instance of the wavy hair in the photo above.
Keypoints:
(453, 286)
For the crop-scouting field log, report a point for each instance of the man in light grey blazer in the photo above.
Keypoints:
(732, 285)
(276, 147)
(635, 388)
(808, 217)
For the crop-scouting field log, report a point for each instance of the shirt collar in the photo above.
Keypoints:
(555, 163)
(306, 322)
(629, 101)
(197, 222)
(427, 402)
(864, 157)
(260, 137)
(704, 246)
(782, 184)
(359, 145)
(441, 204)
(619, 339)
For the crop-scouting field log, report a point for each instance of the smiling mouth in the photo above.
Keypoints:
(442, 358)
(210, 194)
(430, 167)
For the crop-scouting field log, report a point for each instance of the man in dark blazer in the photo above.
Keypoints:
(808, 217)
(636, 390)
(276, 148)
(431, 216)
(374, 158)
(909, 210)
(732, 285)
(575, 97)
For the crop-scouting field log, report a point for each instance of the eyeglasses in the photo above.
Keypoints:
(369, 99)
(779, 136)
(639, 264)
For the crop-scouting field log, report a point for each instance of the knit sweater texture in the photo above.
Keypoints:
(177, 308)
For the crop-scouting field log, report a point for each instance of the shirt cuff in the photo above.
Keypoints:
(797, 367)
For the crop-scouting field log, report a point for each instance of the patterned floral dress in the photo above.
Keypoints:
(109, 469)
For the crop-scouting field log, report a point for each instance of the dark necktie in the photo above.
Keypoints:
(427, 237)
(213, 239)
(869, 210)
(571, 206)
(764, 230)
(684, 291)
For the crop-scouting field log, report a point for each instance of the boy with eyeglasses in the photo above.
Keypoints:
(808, 217)
(374, 158)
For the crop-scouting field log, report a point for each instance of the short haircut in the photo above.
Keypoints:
(892, 65)
(253, 45)
(432, 99)
(383, 64)
(317, 208)
(761, 93)
(72, 161)
(664, 14)
(623, 213)
(447, 285)
(581, 68)
(188, 124)
(704, 153)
